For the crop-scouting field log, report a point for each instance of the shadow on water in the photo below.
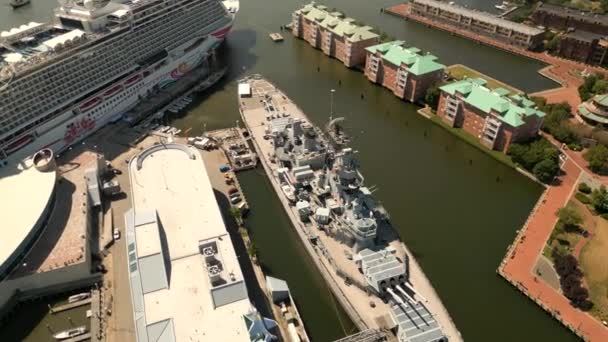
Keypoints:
(256, 294)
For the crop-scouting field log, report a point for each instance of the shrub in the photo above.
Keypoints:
(599, 199)
(584, 188)
(582, 198)
(604, 216)
(597, 156)
(575, 146)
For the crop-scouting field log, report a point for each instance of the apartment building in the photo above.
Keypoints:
(496, 117)
(585, 47)
(333, 33)
(405, 71)
(564, 18)
(520, 35)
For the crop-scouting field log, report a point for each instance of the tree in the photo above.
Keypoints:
(600, 87)
(597, 156)
(569, 216)
(599, 199)
(237, 215)
(546, 170)
(432, 96)
(252, 250)
(552, 44)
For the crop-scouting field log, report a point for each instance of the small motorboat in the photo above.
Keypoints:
(501, 7)
(18, 3)
(78, 297)
(64, 335)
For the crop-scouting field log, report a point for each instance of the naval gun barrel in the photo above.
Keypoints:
(405, 294)
(416, 293)
(395, 297)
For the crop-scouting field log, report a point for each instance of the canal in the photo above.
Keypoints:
(455, 207)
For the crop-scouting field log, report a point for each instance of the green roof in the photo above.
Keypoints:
(584, 112)
(395, 53)
(336, 23)
(601, 99)
(510, 109)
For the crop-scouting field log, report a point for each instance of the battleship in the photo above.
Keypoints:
(348, 233)
(62, 80)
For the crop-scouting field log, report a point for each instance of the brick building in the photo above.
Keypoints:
(406, 72)
(335, 35)
(520, 35)
(582, 46)
(495, 117)
(564, 19)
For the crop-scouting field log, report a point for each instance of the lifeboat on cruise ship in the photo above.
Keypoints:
(90, 104)
(19, 143)
(113, 91)
(131, 81)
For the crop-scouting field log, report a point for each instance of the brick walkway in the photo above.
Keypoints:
(520, 260)
(560, 70)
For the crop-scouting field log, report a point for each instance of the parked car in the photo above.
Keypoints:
(116, 234)
(233, 191)
(235, 200)
(224, 168)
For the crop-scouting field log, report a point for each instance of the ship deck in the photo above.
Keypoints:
(330, 255)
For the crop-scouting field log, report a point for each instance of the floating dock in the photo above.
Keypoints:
(236, 147)
(263, 107)
(276, 37)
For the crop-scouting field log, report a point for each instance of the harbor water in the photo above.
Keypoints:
(455, 207)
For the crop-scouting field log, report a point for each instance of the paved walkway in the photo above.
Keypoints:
(523, 255)
(565, 72)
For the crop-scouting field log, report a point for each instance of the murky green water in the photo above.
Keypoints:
(456, 208)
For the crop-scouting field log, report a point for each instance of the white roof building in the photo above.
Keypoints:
(186, 281)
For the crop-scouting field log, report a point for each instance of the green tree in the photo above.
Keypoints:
(597, 156)
(432, 96)
(552, 44)
(569, 216)
(237, 215)
(546, 170)
(252, 250)
(600, 87)
(599, 199)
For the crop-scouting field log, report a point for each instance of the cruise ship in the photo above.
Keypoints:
(62, 80)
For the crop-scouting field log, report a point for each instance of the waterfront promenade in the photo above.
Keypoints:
(563, 71)
(517, 266)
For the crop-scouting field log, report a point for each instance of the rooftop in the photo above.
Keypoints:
(481, 16)
(186, 282)
(511, 109)
(573, 13)
(336, 23)
(584, 36)
(417, 64)
(27, 193)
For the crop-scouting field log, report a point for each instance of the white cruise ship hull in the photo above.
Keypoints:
(112, 102)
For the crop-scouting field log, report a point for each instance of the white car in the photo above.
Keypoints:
(116, 234)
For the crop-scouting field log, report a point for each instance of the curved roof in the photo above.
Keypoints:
(27, 193)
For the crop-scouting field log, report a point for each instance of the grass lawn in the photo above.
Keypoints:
(459, 71)
(594, 263)
(470, 139)
(564, 240)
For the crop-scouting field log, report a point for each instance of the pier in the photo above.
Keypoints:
(69, 306)
(329, 255)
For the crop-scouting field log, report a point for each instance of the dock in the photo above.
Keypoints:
(329, 255)
(83, 337)
(69, 306)
(236, 147)
(276, 37)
